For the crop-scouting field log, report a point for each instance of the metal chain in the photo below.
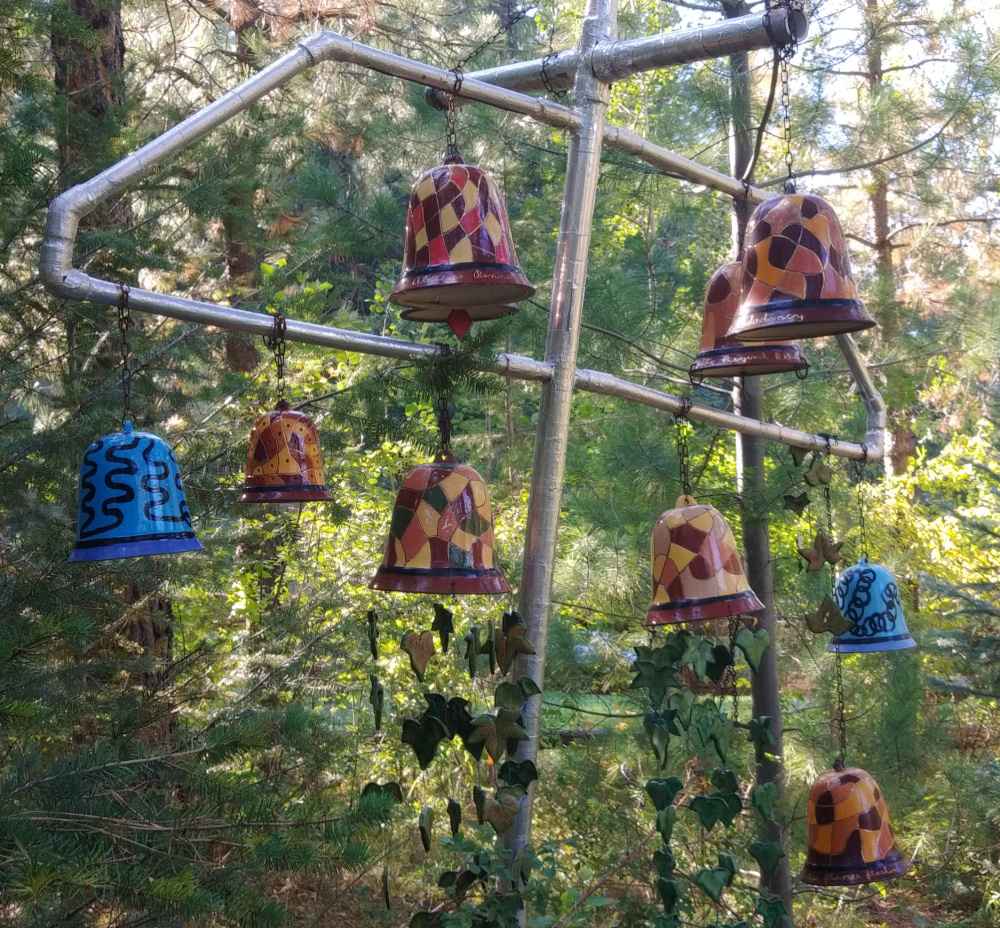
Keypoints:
(841, 716)
(277, 343)
(683, 454)
(859, 474)
(124, 324)
(734, 628)
(786, 54)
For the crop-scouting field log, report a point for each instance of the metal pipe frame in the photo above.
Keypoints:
(66, 211)
(614, 61)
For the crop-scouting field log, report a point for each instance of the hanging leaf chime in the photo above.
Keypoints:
(697, 570)
(441, 535)
(719, 354)
(850, 839)
(131, 502)
(459, 263)
(284, 463)
(797, 279)
(868, 597)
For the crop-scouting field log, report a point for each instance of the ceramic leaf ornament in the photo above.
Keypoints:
(377, 698)
(372, 624)
(510, 640)
(420, 647)
(454, 817)
(425, 824)
(443, 624)
(424, 735)
(827, 618)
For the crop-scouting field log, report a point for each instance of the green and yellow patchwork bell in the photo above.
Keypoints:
(441, 536)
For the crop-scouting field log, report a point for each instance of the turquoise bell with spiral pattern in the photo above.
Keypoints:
(867, 595)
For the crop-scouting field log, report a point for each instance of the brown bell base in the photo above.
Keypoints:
(440, 580)
(440, 313)
(788, 319)
(285, 494)
(748, 360)
(699, 610)
(466, 287)
(888, 869)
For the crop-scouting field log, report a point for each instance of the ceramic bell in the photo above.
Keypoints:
(868, 597)
(719, 355)
(459, 264)
(850, 840)
(697, 571)
(441, 535)
(284, 464)
(797, 274)
(131, 501)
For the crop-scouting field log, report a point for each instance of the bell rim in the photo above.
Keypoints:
(113, 549)
(793, 319)
(436, 285)
(458, 580)
(723, 361)
(893, 865)
(902, 642)
(285, 493)
(482, 313)
(745, 602)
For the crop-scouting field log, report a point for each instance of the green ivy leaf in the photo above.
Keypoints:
(660, 726)
(715, 808)
(725, 780)
(772, 910)
(665, 820)
(698, 655)
(670, 894)
(753, 645)
(529, 687)
(454, 816)
(663, 792)
(663, 860)
(508, 696)
(516, 773)
(425, 823)
(708, 729)
(722, 660)
(762, 737)
(763, 799)
(713, 881)
(767, 854)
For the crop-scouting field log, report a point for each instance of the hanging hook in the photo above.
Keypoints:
(277, 343)
(124, 324)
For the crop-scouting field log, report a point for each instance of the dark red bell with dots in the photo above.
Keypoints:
(459, 263)
(720, 355)
(797, 279)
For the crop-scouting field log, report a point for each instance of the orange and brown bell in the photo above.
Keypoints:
(850, 841)
(459, 263)
(719, 354)
(697, 571)
(441, 535)
(284, 464)
(797, 274)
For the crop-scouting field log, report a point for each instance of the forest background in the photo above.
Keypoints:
(184, 741)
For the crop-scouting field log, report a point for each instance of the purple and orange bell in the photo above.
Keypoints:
(441, 535)
(697, 571)
(850, 840)
(284, 464)
(459, 263)
(797, 279)
(721, 355)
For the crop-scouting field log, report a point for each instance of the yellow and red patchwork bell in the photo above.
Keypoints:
(850, 840)
(797, 279)
(697, 571)
(441, 535)
(284, 464)
(459, 263)
(720, 355)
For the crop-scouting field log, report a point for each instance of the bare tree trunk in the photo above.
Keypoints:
(751, 486)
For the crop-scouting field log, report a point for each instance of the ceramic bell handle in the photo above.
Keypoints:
(685, 500)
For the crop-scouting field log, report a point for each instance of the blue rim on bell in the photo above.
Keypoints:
(868, 597)
(131, 500)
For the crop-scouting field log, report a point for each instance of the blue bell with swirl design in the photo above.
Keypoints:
(868, 597)
(131, 500)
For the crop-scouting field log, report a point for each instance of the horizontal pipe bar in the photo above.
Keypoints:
(614, 61)
(514, 366)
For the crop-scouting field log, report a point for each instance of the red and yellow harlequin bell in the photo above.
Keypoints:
(441, 535)
(697, 571)
(720, 355)
(459, 263)
(284, 464)
(797, 274)
(850, 840)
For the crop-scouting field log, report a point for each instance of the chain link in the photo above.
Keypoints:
(277, 343)
(859, 476)
(786, 54)
(683, 454)
(734, 629)
(124, 324)
(841, 716)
